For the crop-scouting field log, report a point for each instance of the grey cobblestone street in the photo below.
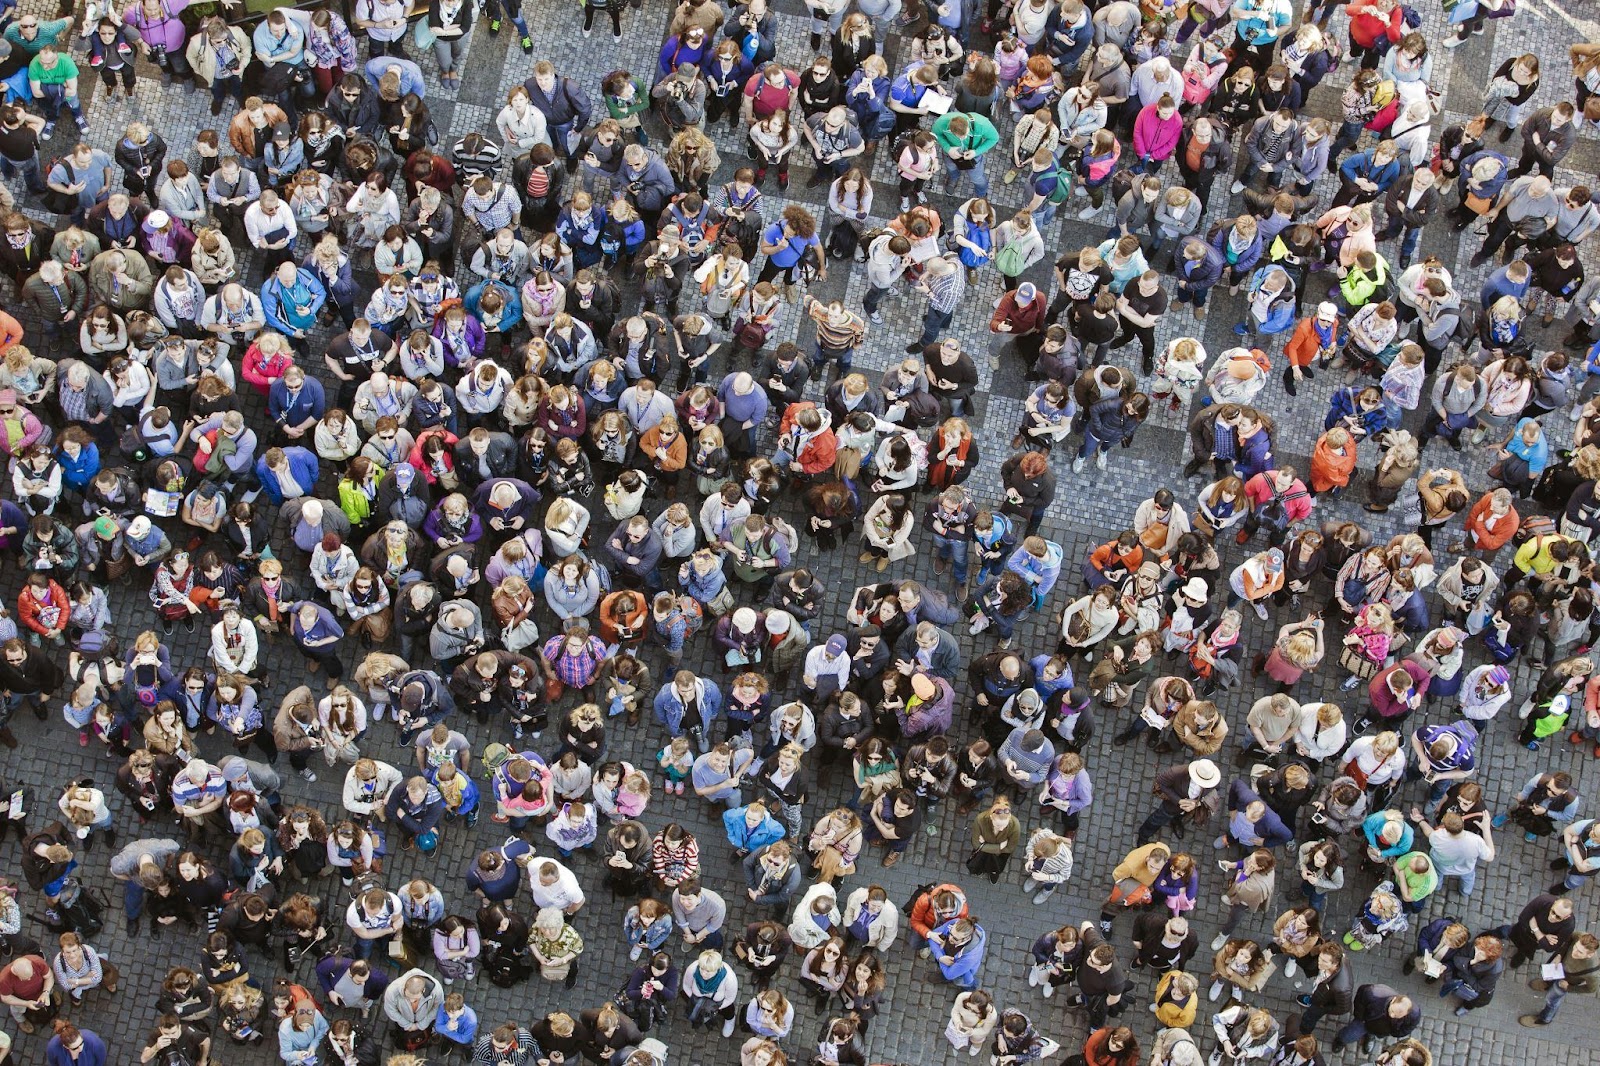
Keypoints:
(1089, 508)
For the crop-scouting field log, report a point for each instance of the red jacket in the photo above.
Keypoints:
(31, 610)
(817, 453)
(1023, 320)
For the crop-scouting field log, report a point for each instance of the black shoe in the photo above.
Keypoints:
(166, 627)
(1558, 864)
(1559, 889)
(188, 624)
(1304, 1001)
(216, 107)
(913, 348)
(132, 925)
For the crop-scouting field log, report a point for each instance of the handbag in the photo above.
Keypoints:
(553, 688)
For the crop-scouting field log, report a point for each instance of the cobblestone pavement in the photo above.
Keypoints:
(1087, 509)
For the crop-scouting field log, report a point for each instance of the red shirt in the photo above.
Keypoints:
(1366, 28)
(30, 990)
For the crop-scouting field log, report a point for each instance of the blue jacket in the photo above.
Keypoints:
(510, 314)
(1201, 273)
(1342, 405)
(302, 465)
(1361, 165)
(282, 307)
(94, 1050)
(741, 836)
(964, 969)
(344, 286)
(76, 473)
(309, 403)
(1254, 456)
(669, 709)
(1246, 260)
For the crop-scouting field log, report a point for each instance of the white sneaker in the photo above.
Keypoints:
(1261, 611)
(1035, 978)
(1100, 459)
(1236, 188)
(309, 774)
(727, 1028)
(973, 1050)
(1049, 990)
(1576, 414)
(1077, 464)
(638, 949)
(1218, 940)
(1152, 1008)
(1215, 992)
(876, 317)
(1088, 212)
(377, 711)
(1289, 968)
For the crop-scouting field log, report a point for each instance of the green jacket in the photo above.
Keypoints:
(353, 502)
(1358, 286)
(622, 110)
(981, 136)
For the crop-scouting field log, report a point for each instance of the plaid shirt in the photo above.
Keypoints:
(575, 671)
(946, 290)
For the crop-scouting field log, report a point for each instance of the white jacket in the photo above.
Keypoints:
(354, 800)
(804, 930)
(884, 931)
(240, 659)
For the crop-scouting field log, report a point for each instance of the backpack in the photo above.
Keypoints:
(61, 203)
(1063, 189)
(494, 757)
(1533, 526)
(1011, 260)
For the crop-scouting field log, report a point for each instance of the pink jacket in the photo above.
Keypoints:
(1155, 137)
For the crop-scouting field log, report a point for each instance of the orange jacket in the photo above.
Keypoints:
(1328, 468)
(1486, 538)
(677, 456)
(1303, 344)
(923, 920)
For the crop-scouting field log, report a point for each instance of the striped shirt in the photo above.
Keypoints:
(837, 337)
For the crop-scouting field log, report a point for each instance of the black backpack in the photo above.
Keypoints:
(62, 203)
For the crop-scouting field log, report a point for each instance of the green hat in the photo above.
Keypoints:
(105, 527)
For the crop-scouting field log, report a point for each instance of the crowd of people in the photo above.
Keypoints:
(497, 436)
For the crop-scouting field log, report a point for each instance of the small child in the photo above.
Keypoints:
(635, 794)
(457, 1024)
(1178, 373)
(676, 762)
(1011, 59)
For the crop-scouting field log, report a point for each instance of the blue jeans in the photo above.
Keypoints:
(954, 549)
(132, 899)
(953, 173)
(1044, 214)
(29, 169)
(1197, 297)
(51, 97)
(934, 323)
(365, 948)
